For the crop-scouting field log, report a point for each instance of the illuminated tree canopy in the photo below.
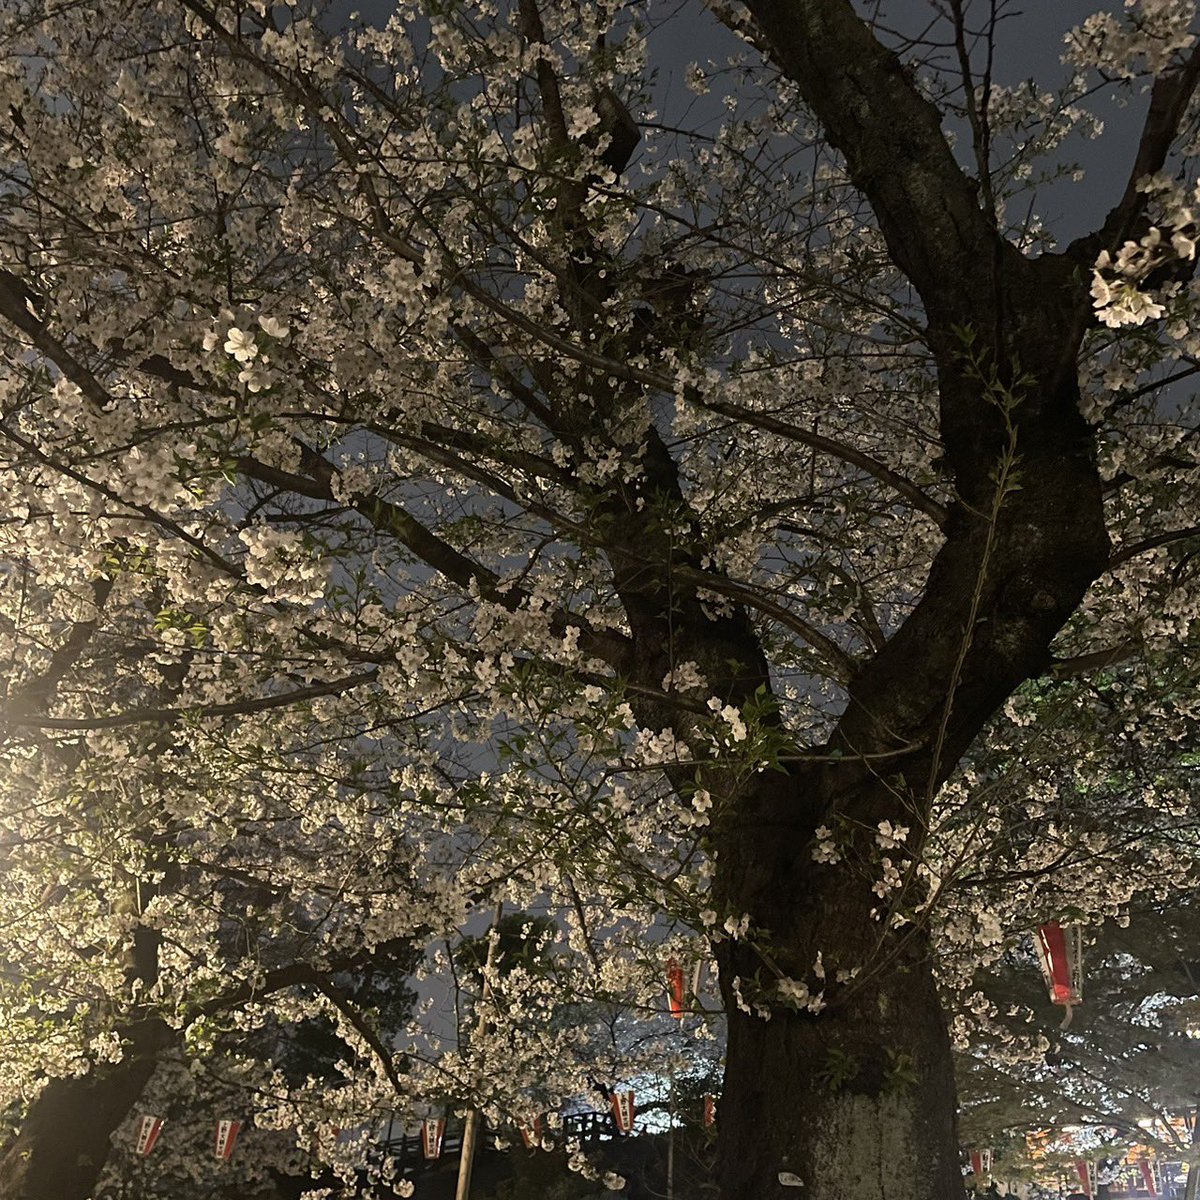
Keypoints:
(459, 455)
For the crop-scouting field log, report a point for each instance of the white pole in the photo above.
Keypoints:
(466, 1157)
(671, 1136)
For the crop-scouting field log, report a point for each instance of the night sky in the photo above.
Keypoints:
(1030, 44)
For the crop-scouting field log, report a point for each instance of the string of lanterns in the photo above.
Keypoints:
(226, 1135)
(1090, 1174)
(1060, 956)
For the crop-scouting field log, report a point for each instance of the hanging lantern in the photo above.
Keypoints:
(1086, 1172)
(710, 1110)
(697, 981)
(675, 988)
(148, 1131)
(1061, 954)
(1147, 1169)
(432, 1132)
(227, 1133)
(981, 1163)
(531, 1135)
(623, 1110)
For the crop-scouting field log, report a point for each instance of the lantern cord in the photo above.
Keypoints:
(1067, 1015)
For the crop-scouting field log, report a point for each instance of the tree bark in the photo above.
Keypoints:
(856, 1102)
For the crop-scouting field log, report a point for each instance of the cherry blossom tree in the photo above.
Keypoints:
(448, 466)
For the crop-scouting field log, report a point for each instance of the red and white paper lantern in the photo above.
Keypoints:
(1087, 1174)
(432, 1132)
(148, 1130)
(531, 1135)
(1060, 952)
(1148, 1182)
(675, 988)
(981, 1163)
(227, 1134)
(623, 1110)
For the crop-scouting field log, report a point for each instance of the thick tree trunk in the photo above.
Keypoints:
(856, 1102)
(856, 1105)
(63, 1143)
(857, 1099)
(850, 1087)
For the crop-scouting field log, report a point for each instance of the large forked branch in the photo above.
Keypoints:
(995, 595)
(892, 141)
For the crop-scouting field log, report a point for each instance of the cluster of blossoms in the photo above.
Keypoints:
(796, 994)
(1117, 292)
(244, 347)
(1148, 36)
(279, 561)
(825, 849)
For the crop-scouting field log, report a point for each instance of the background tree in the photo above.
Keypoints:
(1124, 1065)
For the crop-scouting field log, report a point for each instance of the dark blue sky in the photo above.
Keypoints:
(1030, 44)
